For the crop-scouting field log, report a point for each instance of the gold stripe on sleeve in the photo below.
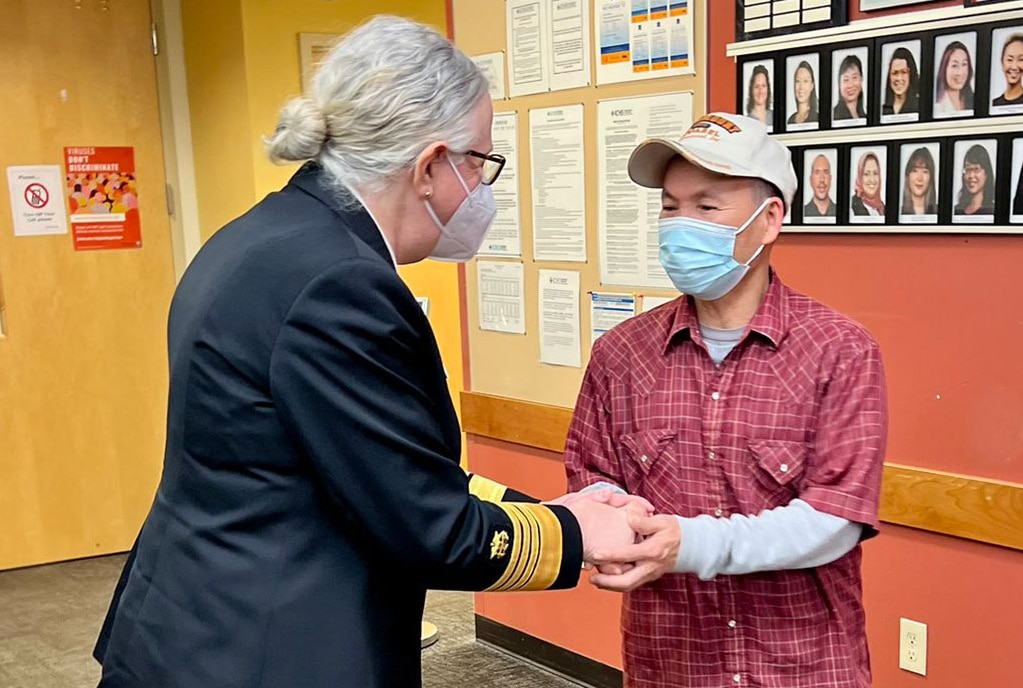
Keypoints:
(485, 489)
(515, 553)
(538, 549)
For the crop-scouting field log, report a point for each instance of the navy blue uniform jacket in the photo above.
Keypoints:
(311, 491)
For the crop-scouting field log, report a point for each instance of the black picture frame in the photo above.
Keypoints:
(974, 3)
(1005, 35)
(905, 167)
(917, 95)
(810, 173)
(946, 59)
(839, 115)
(798, 20)
(1013, 191)
(791, 66)
(745, 73)
(958, 182)
(860, 212)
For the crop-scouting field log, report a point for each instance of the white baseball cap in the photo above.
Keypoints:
(732, 145)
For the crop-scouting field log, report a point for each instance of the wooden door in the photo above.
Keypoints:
(83, 372)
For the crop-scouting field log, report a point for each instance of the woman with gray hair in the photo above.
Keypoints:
(311, 490)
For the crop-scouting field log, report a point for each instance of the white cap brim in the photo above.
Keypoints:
(649, 162)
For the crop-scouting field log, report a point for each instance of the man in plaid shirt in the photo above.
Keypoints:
(754, 419)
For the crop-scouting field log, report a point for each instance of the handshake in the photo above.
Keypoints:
(623, 538)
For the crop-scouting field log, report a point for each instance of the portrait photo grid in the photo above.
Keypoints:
(916, 182)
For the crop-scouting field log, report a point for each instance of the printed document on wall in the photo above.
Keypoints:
(627, 222)
(643, 39)
(528, 38)
(651, 302)
(608, 310)
(569, 44)
(559, 318)
(505, 237)
(492, 66)
(502, 308)
(558, 180)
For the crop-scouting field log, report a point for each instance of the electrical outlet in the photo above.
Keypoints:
(913, 646)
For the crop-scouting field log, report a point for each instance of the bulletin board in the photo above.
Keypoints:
(508, 365)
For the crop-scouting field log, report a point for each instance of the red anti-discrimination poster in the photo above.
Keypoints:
(102, 197)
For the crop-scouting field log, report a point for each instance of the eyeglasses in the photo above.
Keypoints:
(972, 170)
(492, 165)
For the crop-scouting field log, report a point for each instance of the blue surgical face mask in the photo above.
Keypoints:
(699, 256)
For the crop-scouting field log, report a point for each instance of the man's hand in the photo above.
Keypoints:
(604, 527)
(651, 558)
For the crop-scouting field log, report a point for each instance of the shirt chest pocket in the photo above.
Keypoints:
(779, 467)
(651, 465)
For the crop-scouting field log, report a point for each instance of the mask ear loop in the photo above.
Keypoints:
(458, 174)
(429, 206)
(747, 223)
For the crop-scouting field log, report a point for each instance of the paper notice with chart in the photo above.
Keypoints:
(558, 180)
(559, 318)
(627, 212)
(501, 300)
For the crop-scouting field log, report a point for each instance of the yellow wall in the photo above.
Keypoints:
(243, 66)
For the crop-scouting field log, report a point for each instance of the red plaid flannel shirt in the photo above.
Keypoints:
(797, 409)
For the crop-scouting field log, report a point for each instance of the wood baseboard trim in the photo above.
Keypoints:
(988, 511)
(547, 655)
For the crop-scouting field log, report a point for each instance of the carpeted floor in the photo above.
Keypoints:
(49, 616)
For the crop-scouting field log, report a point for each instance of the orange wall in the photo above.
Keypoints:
(948, 318)
(947, 314)
(583, 620)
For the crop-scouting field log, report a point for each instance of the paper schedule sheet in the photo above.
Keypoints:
(559, 318)
(558, 180)
(501, 299)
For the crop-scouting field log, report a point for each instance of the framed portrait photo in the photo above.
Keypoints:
(919, 182)
(899, 86)
(756, 96)
(955, 60)
(802, 103)
(1016, 190)
(975, 162)
(850, 70)
(1007, 71)
(820, 170)
(868, 167)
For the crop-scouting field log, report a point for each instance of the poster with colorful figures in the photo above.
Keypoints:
(643, 39)
(102, 195)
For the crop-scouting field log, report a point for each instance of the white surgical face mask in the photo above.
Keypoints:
(699, 255)
(463, 234)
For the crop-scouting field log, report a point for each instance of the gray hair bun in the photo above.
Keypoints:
(300, 134)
